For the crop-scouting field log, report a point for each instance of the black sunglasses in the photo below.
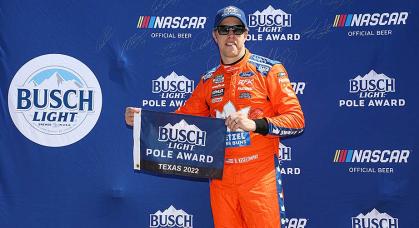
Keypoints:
(225, 29)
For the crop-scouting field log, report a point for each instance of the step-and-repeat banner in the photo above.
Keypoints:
(69, 68)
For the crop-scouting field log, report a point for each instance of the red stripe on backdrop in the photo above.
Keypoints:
(342, 155)
(342, 20)
(145, 21)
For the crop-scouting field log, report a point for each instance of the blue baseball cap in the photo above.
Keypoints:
(230, 11)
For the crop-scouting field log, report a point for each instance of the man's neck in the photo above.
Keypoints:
(232, 61)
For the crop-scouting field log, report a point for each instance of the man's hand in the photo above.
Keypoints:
(238, 120)
(129, 115)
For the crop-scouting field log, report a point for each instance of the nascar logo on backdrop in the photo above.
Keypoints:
(171, 217)
(269, 25)
(372, 90)
(166, 23)
(374, 219)
(172, 90)
(54, 100)
(367, 20)
(363, 159)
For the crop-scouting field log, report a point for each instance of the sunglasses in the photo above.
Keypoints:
(225, 29)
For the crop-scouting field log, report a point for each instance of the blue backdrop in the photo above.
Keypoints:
(66, 153)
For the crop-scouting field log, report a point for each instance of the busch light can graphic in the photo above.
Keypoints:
(54, 100)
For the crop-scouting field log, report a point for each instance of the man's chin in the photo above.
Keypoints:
(231, 53)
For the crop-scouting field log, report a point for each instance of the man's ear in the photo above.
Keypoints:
(214, 36)
(246, 33)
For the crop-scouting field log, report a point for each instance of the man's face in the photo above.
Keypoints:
(230, 45)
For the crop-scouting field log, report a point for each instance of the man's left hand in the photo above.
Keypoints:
(238, 120)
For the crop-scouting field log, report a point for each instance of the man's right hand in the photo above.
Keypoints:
(129, 115)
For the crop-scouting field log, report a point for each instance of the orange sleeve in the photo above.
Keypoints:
(289, 118)
(196, 105)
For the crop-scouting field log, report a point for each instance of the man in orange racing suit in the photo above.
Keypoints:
(255, 96)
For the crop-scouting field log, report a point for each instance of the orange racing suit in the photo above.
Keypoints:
(259, 88)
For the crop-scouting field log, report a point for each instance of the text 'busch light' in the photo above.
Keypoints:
(270, 17)
(172, 83)
(55, 99)
(171, 217)
(54, 105)
(285, 152)
(374, 219)
(171, 221)
(279, 20)
(375, 223)
(56, 95)
(173, 86)
(381, 85)
(182, 132)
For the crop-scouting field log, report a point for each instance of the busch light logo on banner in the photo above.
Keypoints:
(372, 90)
(374, 219)
(172, 90)
(372, 157)
(237, 138)
(182, 135)
(55, 100)
(171, 217)
(268, 25)
(184, 145)
(366, 20)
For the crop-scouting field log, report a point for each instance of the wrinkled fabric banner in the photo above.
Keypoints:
(184, 145)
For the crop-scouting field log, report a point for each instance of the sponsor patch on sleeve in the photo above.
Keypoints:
(217, 93)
